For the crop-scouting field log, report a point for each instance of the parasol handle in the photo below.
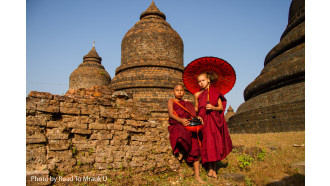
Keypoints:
(208, 93)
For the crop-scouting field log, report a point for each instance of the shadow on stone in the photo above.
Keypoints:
(296, 179)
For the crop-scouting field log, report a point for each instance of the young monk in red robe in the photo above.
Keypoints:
(180, 138)
(210, 104)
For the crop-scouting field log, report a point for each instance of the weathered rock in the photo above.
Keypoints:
(58, 144)
(98, 126)
(38, 177)
(116, 127)
(84, 145)
(85, 160)
(35, 134)
(139, 138)
(103, 166)
(60, 156)
(39, 120)
(57, 133)
(77, 125)
(35, 156)
(108, 112)
(40, 95)
(56, 124)
(69, 108)
(89, 109)
(121, 135)
(46, 105)
(31, 105)
(81, 131)
(120, 95)
(101, 135)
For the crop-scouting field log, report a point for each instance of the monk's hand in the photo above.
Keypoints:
(200, 118)
(185, 122)
(209, 107)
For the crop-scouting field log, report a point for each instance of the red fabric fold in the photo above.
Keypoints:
(216, 143)
(180, 138)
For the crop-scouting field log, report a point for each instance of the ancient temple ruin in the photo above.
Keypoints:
(230, 113)
(151, 60)
(90, 72)
(275, 100)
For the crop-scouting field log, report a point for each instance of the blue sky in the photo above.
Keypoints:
(59, 33)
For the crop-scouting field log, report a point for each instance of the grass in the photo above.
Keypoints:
(275, 153)
(267, 159)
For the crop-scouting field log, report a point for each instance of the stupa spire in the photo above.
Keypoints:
(92, 55)
(152, 10)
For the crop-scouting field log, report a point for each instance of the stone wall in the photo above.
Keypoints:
(95, 129)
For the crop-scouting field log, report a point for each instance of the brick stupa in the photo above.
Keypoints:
(275, 100)
(230, 113)
(89, 73)
(151, 60)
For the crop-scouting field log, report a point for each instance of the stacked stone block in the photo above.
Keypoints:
(92, 129)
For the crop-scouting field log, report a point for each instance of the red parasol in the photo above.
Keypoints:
(224, 71)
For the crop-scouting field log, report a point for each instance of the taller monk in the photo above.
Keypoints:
(210, 105)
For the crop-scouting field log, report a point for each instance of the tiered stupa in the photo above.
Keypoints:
(230, 113)
(89, 73)
(275, 100)
(151, 59)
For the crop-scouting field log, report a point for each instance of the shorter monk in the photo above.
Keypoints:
(182, 140)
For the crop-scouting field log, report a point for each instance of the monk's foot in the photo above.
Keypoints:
(214, 175)
(180, 156)
(199, 179)
(210, 173)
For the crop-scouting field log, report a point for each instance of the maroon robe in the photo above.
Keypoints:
(216, 143)
(182, 138)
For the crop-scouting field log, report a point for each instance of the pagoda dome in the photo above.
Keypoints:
(151, 42)
(151, 58)
(275, 100)
(89, 73)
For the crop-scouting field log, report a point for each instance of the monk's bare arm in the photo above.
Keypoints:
(196, 101)
(219, 108)
(183, 121)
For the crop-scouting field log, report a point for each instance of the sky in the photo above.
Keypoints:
(59, 33)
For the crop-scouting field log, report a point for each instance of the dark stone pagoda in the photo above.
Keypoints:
(151, 60)
(275, 100)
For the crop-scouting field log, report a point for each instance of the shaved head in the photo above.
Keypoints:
(178, 85)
